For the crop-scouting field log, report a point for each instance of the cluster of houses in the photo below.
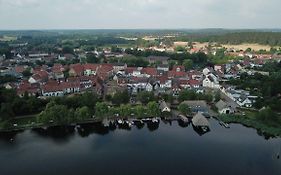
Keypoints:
(61, 80)
(160, 79)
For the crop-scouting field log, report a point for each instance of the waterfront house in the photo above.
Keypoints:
(223, 108)
(200, 121)
(164, 107)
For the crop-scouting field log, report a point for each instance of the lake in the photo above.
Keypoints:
(166, 148)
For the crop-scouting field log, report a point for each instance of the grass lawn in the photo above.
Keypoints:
(250, 120)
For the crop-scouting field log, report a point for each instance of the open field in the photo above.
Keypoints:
(7, 38)
(245, 46)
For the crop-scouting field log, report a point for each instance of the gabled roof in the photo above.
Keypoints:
(173, 74)
(92, 67)
(77, 68)
(221, 105)
(149, 71)
(199, 120)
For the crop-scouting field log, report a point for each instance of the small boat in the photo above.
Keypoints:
(155, 120)
(119, 121)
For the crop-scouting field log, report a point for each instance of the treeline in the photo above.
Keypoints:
(266, 38)
(199, 58)
(12, 105)
(192, 95)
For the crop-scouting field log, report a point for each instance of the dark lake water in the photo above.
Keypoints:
(165, 149)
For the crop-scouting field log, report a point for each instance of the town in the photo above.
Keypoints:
(184, 78)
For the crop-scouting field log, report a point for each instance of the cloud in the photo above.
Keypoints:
(55, 14)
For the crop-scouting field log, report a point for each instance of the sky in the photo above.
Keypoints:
(139, 14)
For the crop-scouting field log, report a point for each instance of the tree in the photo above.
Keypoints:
(101, 109)
(26, 73)
(188, 64)
(217, 96)
(57, 113)
(184, 109)
(82, 113)
(125, 110)
(91, 58)
(121, 98)
(6, 111)
(145, 97)
(67, 50)
(153, 109)
(140, 111)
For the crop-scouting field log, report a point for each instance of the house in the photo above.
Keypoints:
(26, 87)
(164, 107)
(178, 68)
(57, 71)
(223, 108)
(175, 74)
(158, 59)
(194, 84)
(55, 89)
(90, 69)
(149, 72)
(195, 75)
(207, 71)
(164, 82)
(211, 81)
(197, 106)
(163, 67)
(76, 70)
(39, 77)
(119, 66)
(200, 121)
(105, 71)
(138, 84)
(244, 101)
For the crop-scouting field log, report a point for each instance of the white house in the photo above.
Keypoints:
(223, 108)
(211, 81)
(164, 107)
(244, 101)
(207, 71)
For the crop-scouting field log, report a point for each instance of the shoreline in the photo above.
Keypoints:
(259, 126)
(92, 121)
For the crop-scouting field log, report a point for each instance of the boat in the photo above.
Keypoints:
(120, 121)
(155, 120)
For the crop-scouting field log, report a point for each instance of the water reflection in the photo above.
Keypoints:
(59, 134)
(62, 134)
(9, 137)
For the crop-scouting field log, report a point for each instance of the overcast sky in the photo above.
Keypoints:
(134, 14)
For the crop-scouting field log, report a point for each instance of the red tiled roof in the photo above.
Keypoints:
(163, 79)
(182, 68)
(130, 70)
(77, 68)
(149, 71)
(105, 68)
(176, 74)
(194, 82)
(92, 67)
(19, 69)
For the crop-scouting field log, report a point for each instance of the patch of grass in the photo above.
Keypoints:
(250, 120)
